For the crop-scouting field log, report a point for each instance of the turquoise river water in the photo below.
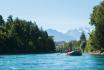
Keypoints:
(56, 61)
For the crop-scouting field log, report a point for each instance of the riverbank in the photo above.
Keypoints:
(96, 53)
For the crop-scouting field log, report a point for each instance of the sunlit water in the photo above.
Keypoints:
(54, 61)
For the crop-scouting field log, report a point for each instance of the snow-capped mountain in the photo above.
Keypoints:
(73, 34)
(59, 36)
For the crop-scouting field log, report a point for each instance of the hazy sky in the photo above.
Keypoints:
(61, 15)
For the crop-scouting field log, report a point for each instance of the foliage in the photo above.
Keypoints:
(72, 44)
(82, 37)
(83, 41)
(97, 19)
(21, 36)
(89, 47)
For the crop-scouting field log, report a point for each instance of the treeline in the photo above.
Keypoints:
(96, 40)
(21, 36)
(71, 44)
(74, 44)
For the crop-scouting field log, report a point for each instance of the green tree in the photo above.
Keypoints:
(92, 43)
(1, 21)
(21, 36)
(83, 41)
(97, 19)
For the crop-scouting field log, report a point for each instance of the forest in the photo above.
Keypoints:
(21, 36)
(96, 39)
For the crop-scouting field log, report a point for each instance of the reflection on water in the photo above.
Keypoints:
(54, 61)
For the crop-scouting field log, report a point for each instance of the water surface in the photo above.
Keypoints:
(54, 61)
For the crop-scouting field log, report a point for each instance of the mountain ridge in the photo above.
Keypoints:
(73, 34)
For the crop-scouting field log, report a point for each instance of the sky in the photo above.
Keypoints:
(61, 15)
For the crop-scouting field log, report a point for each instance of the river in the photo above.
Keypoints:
(54, 61)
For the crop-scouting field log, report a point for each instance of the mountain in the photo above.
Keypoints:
(73, 34)
(59, 36)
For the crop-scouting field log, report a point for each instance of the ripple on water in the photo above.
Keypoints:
(51, 62)
(29, 63)
(15, 68)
